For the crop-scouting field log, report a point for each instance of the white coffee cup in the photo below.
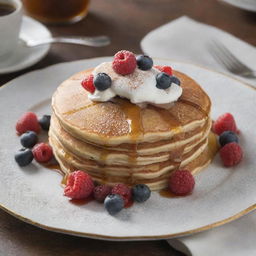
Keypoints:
(10, 28)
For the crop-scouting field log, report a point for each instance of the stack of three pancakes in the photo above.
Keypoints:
(119, 142)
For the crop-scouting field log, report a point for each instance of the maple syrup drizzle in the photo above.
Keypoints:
(167, 193)
(64, 180)
(102, 169)
(56, 167)
(83, 201)
(175, 126)
(133, 116)
(212, 150)
(73, 111)
(103, 155)
(213, 146)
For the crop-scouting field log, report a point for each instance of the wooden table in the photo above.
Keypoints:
(126, 22)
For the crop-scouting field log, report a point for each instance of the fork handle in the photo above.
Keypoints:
(96, 41)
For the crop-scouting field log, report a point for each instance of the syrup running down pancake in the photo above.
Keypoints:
(120, 142)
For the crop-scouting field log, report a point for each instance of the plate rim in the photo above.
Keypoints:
(132, 238)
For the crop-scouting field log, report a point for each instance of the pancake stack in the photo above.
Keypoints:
(119, 142)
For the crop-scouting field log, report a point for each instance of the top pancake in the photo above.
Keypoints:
(119, 121)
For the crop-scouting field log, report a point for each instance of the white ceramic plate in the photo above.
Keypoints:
(249, 5)
(27, 56)
(34, 194)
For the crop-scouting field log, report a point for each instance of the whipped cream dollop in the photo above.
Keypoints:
(139, 87)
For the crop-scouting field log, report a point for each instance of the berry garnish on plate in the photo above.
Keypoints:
(231, 154)
(100, 192)
(24, 157)
(163, 81)
(27, 122)
(225, 122)
(102, 81)
(28, 139)
(88, 85)
(144, 62)
(181, 182)
(42, 152)
(79, 185)
(141, 193)
(227, 137)
(165, 69)
(44, 122)
(114, 203)
(124, 191)
(124, 62)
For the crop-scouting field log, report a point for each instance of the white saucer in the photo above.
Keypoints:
(249, 5)
(34, 194)
(24, 56)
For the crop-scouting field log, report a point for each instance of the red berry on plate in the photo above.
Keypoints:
(124, 191)
(88, 85)
(101, 192)
(231, 154)
(165, 69)
(225, 122)
(42, 152)
(27, 122)
(79, 185)
(124, 62)
(181, 182)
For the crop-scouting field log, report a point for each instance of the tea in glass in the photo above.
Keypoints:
(57, 11)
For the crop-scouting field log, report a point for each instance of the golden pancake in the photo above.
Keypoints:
(155, 176)
(157, 154)
(119, 142)
(119, 121)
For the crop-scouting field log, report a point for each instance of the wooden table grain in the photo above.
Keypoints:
(126, 22)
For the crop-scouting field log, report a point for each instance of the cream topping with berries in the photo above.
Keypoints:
(139, 86)
(133, 78)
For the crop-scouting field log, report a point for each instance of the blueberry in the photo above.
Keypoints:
(141, 193)
(163, 81)
(175, 80)
(114, 203)
(227, 137)
(24, 157)
(144, 62)
(44, 122)
(102, 81)
(28, 139)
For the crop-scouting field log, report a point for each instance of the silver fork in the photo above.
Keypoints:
(227, 59)
(96, 41)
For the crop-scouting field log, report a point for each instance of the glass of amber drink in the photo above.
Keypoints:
(56, 11)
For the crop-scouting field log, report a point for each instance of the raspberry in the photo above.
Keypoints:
(79, 185)
(231, 154)
(165, 69)
(124, 62)
(101, 192)
(88, 85)
(42, 152)
(225, 122)
(124, 191)
(27, 122)
(181, 182)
